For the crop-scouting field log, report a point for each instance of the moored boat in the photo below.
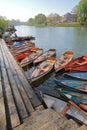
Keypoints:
(45, 55)
(79, 68)
(32, 56)
(63, 60)
(25, 38)
(76, 63)
(22, 54)
(70, 84)
(77, 102)
(42, 69)
(22, 46)
(82, 75)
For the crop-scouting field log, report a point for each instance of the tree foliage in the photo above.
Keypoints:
(53, 19)
(3, 24)
(40, 19)
(82, 12)
(30, 22)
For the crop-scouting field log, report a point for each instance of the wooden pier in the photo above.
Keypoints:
(17, 98)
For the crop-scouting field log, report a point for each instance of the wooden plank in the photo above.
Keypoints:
(19, 102)
(19, 85)
(2, 107)
(30, 93)
(35, 101)
(6, 65)
(1, 93)
(9, 102)
(2, 115)
(10, 107)
(17, 97)
(24, 96)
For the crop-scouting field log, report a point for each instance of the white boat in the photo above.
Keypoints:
(32, 56)
(45, 55)
(63, 60)
(42, 69)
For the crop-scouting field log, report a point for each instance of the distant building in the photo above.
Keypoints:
(69, 18)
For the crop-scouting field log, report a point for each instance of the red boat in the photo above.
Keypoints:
(22, 55)
(79, 68)
(80, 61)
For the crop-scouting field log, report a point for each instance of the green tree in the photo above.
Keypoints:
(82, 12)
(30, 22)
(3, 24)
(40, 19)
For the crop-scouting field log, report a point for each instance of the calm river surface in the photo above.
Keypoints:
(61, 38)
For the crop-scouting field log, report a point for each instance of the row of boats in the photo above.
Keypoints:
(44, 61)
(71, 85)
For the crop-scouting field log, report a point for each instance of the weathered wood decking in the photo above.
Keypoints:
(17, 98)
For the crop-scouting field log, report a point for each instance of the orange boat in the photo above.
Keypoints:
(77, 63)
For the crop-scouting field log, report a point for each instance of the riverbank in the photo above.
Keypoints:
(67, 24)
(71, 24)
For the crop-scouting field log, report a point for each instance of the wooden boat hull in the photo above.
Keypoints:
(25, 53)
(79, 68)
(63, 60)
(72, 84)
(78, 103)
(29, 59)
(22, 48)
(76, 63)
(76, 87)
(82, 75)
(45, 55)
(42, 69)
(22, 55)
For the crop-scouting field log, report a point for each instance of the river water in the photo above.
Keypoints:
(61, 38)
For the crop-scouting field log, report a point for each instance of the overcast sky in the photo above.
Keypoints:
(25, 9)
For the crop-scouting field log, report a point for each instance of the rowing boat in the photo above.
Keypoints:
(79, 68)
(32, 56)
(45, 55)
(25, 53)
(63, 60)
(42, 69)
(70, 84)
(77, 102)
(76, 63)
(82, 75)
(20, 48)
